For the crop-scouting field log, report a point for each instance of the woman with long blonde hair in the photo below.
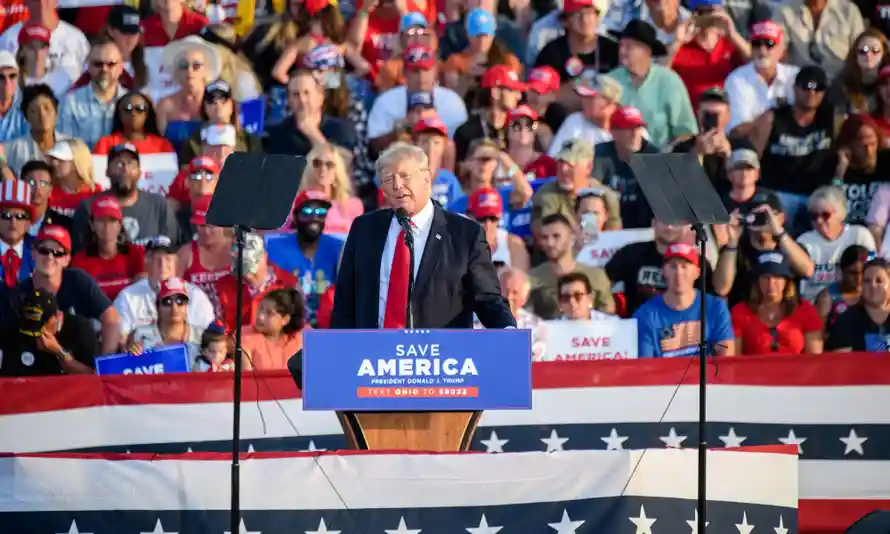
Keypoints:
(267, 42)
(326, 172)
(72, 166)
(235, 69)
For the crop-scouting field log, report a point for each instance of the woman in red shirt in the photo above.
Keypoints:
(135, 121)
(72, 166)
(109, 257)
(775, 320)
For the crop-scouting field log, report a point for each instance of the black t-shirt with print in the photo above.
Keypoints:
(19, 355)
(855, 330)
(638, 268)
(557, 53)
(79, 294)
(747, 206)
(861, 187)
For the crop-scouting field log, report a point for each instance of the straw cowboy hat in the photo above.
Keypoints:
(173, 51)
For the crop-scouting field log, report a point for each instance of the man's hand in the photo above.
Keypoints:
(686, 32)
(843, 162)
(48, 342)
(135, 349)
(773, 225)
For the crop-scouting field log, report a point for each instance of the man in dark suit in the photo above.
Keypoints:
(454, 275)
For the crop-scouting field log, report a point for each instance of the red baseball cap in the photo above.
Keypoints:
(55, 233)
(172, 286)
(432, 124)
(543, 80)
(767, 30)
(199, 210)
(573, 6)
(420, 57)
(485, 202)
(107, 207)
(31, 32)
(314, 6)
(682, 251)
(311, 195)
(502, 76)
(521, 112)
(627, 117)
(203, 163)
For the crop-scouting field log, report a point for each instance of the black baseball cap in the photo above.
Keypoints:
(124, 19)
(770, 199)
(218, 86)
(714, 94)
(35, 309)
(811, 77)
(855, 254)
(773, 263)
(123, 148)
(160, 243)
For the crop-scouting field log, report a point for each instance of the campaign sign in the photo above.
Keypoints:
(160, 361)
(600, 251)
(417, 370)
(608, 339)
(252, 113)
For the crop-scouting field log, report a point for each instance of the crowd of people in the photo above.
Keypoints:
(519, 105)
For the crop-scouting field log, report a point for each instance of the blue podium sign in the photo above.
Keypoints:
(165, 360)
(417, 370)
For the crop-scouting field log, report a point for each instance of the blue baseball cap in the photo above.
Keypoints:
(773, 263)
(420, 99)
(695, 4)
(480, 22)
(412, 19)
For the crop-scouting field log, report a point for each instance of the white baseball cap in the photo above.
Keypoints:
(219, 134)
(7, 60)
(62, 151)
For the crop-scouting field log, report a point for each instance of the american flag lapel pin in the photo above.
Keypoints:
(438, 237)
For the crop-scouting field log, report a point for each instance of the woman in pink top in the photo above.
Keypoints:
(277, 331)
(326, 172)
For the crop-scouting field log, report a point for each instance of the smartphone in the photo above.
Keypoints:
(705, 20)
(756, 219)
(708, 121)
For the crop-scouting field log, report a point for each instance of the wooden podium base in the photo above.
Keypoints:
(413, 431)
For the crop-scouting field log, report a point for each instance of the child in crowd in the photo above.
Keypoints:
(217, 351)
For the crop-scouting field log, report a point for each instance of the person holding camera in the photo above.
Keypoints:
(711, 145)
(747, 237)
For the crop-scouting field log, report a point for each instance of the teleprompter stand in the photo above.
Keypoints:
(679, 192)
(254, 192)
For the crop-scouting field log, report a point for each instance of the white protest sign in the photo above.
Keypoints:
(160, 82)
(158, 171)
(609, 339)
(599, 252)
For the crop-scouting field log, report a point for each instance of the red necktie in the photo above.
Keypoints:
(11, 265)
(397, 293)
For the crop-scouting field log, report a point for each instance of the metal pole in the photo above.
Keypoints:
(236, 402)
(702, 239)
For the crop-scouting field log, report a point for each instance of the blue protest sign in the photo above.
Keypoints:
(519, 221)
(417, 370)
(252, 114)
(164, 360)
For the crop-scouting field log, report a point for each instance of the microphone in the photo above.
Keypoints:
(405, 223)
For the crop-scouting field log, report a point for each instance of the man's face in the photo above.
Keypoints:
(14, 224)
(124, 173)
(555, 240)
(632, 54)
(310, 219)
(160, 265)
(597, 109)
(515, 289)
(9, 79)
(766, 53)
(809, 97)
(680, 275)
(41, 187)
(434, 145)
(865, 149)
(571, 177)
(483, 164)
(50, 258)
(41, 114)
(506, 99)
(105, 65)
(628, 138)
(743, 177)
(574, 301)
(407, 185)
(421, 79)
(202, 183)
(668, 234)
(304, 95)
(583, 22)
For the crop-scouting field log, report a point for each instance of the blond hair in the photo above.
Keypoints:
(234, 68)
(341, 189)
(83, 160)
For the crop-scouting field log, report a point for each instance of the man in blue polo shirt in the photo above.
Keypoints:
(669, 325)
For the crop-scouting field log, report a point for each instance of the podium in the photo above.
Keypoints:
(416, 390)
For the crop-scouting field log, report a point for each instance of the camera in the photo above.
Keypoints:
(756, 219)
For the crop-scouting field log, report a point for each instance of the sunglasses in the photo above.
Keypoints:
(526, 126)
(319, 163)
(820, 216)
(217, 97)
(811, 86)
(99, 64)
(138, 108)
(309, 211)
(576, 296)
(487, 219)
(46, 251)
(193, 65)
(11, 77)
(18, 216)
(416, 32)
(44, 184)
(202, 176)
(768, 43)
(179, 300)
(866, 50)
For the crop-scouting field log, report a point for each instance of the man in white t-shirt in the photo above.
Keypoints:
(829, 237)
(387, 118)
(68, 47)
(137, 305)
(600, 97)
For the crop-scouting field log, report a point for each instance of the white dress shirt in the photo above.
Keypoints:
(136, 305)
(420, 226)
(19, 248)
(749, 95)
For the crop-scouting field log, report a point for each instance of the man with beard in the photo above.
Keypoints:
(311, 255)
(146, 214)
(87, 112)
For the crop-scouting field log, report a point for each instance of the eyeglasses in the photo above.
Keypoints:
(55, 253)
(11, 77)
(487, 219)
(820, 215)
(44, 184)
(98, 64)
(193, 65)
(16, 215)
(576, 296)
(309, 211)
(319, 163)
(768, 43)
(524, 125)
(202, 176)
(811, 86)
(865, 50)
(138, 108)
(217, 97)
(179, 300)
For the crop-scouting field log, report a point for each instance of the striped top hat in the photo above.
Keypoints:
(16, 194)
